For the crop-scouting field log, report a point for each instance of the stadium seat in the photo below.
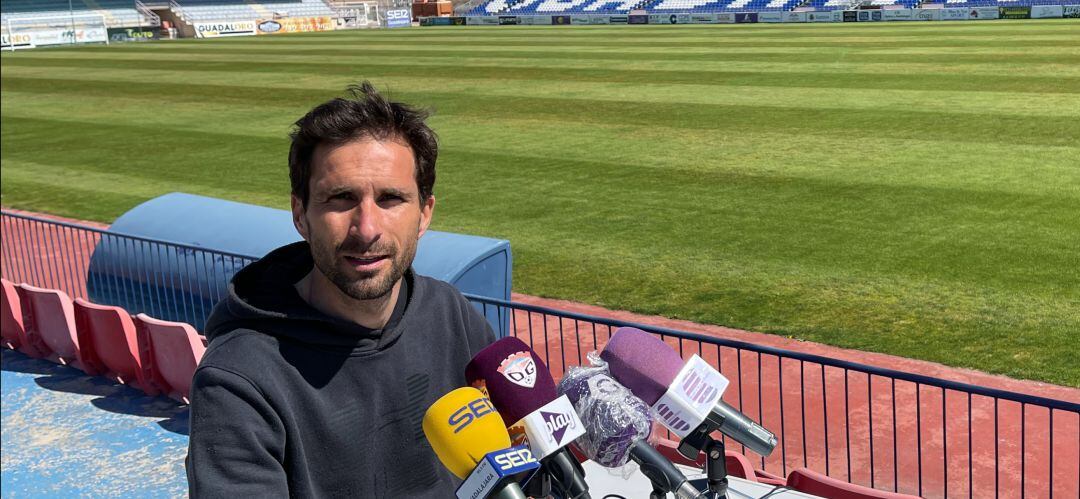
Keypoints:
(812, 482)
(49, 316)
(111, 343)
(175, 350)
(11, 319)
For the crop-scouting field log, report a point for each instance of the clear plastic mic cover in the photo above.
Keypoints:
(614, 418)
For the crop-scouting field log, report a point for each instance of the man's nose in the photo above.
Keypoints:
(367, 222)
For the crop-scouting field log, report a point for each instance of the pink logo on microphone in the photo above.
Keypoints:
(697, 388)
(671, 418)
(519, 368)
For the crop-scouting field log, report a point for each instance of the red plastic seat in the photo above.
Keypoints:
(11, 318)
(739, 466)
(175, 349)
(812, 482)
(49, 320)
(110, 343)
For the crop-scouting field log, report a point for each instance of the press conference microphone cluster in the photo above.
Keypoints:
(470, 439)
(521, 388)
(617, 425)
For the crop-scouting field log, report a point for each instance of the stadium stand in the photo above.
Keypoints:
(224, 10)
(117, 13)
(109, 340)
(174, 352)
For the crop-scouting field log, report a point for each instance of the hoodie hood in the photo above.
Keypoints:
(262, 297)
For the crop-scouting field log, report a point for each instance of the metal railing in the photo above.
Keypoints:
(873, 426)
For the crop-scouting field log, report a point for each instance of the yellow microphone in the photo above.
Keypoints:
(470, 439)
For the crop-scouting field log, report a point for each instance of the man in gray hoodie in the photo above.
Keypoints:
(326, 353)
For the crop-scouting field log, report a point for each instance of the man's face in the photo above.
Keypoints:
(364, 216)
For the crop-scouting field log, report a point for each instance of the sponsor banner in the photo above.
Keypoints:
(927, 14)
(302, 24)
(598, 19)
(537, 20)
(579, 20)
(669, 18)
(134, 34)
(397, 18)
(1071, 11)
(233, 28)
(508, 20)
(702, 18)
(17, 41)
(458, 21)
(618, 19)
(850, 16)
(770, 17)
(560, 20)
(794, 17)
(820, 17)
(725, 18)
(746, 17)
(483, 21)
(837, 16)
(983, 13)
(954, 14)
(869, 15)
(899, 15)
(637, 19)
(37, 38)
(1047, 11)
(1015, 12)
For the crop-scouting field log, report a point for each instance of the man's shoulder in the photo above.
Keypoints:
(241, 350)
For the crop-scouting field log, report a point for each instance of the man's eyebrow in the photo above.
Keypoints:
(394, 191)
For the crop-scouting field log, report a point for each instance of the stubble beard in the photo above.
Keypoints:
(366, 287)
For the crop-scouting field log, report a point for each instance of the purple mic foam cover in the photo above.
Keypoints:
(614, 418)
(514, 378)
(642, 362)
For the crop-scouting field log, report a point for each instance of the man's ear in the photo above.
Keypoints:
(427, 209)
(298, 219)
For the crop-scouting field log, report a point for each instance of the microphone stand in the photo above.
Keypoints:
(699, 440)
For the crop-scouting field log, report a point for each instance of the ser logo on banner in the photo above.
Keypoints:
(399, 18)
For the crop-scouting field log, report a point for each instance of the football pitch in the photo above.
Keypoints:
(908, 188)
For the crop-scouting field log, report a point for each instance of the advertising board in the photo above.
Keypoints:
(508, 20)
(598, 20)
(560, 20)
(898, 15)
(794, 17)
(850, 16)
(725, 18)
(954, 14)
(819, 17)
(1015, 12)
(134, 34)
(1047, 11)
(869, 15)
(702, 18)
(483, 21)
(397, 18)
(927, 14)
(770, 17)
(579, 19)
(637, 19)
(669, 18)
(535, 20)
(746, 17)
(218, 29)
(16, 41)
(1071, 11)
(618, 20)
(460, 21)
(982, 13)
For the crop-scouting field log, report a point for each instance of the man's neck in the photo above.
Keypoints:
(324, 296)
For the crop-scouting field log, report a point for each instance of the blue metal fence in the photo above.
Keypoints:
(869, 425)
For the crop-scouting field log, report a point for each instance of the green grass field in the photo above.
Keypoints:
(909, 188)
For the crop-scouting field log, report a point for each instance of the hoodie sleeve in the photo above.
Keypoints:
(236, 445)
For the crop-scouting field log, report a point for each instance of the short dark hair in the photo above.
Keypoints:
(367, 114)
